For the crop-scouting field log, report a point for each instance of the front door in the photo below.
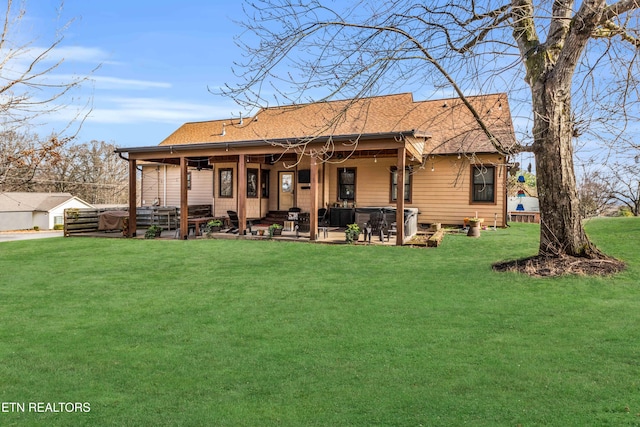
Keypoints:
(285, 190)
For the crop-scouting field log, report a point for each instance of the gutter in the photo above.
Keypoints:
(260, 142)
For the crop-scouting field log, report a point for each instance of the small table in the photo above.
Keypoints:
(197, 222)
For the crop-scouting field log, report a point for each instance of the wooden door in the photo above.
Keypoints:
(286, 185)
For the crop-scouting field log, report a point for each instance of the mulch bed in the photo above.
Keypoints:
(544, 266)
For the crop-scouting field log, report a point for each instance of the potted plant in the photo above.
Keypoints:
(352, 233)
(212, 226)
(474, 227)
(153, 232)
(275, 230)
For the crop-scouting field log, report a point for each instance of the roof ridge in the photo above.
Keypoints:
(294, 106)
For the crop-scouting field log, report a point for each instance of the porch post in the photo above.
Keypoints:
(133, 170)
(184, 202)
(313, 216)
(242, 193)
(402, 158)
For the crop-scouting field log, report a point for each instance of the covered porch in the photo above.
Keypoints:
(253, 178)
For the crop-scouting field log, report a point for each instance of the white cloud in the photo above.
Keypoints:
(155, 110)
(113, 83)
(118, 83)
(92, 55)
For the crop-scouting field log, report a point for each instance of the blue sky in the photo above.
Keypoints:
(157, 61)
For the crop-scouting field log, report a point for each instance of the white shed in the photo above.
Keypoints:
(22, 211)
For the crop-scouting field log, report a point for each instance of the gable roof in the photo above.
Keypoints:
(29, 202)
(447, 124)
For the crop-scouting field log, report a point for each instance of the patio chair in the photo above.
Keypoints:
(378, 226)
(323, 222)
(235, 222)
(323, 217)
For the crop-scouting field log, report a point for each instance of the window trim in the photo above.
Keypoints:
(472, 185)
(220, 172)
(264, 182)
(408, 182)
(254, 194)
(355, 180)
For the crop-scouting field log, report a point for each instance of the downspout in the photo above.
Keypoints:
(164, 187)
(122, 157)
(141, 176)
(506, 191)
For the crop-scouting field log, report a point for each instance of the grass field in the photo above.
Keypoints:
(261, 333)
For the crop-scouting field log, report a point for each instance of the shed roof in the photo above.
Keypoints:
(29, 202)
(447, 124)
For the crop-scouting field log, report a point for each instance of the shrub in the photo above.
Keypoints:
(273, 228)
(152, 232)
(352, 233)
(213, 225)
(625, 211)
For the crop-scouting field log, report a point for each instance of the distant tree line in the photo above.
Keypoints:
(90, 170)
(610, 190)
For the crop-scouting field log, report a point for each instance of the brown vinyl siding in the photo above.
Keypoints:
(153, 185)
(441, 195)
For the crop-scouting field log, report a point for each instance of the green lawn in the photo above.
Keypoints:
(261, 333)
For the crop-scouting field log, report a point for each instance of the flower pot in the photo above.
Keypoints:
(474, 227)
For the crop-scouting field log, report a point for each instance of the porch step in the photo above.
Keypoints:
(275, 217)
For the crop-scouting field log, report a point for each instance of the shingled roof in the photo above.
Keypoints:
(25, 202)
(448, 123)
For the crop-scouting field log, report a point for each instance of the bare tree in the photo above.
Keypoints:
(594, 194)
(22, 155)
(104, 176)
(29, 90)
(537, 50)
(623, 182)
(90, 171)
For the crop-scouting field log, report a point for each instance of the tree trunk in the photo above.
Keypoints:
(561, 230)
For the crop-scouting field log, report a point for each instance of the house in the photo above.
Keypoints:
(21, 211)
(337, 154)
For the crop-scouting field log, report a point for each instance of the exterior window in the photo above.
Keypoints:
(264, 183)
(58, 220)
(188, 180)
(407, 184)
(252, 183)
(226, 183)
(347, 183)
(483, 184)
